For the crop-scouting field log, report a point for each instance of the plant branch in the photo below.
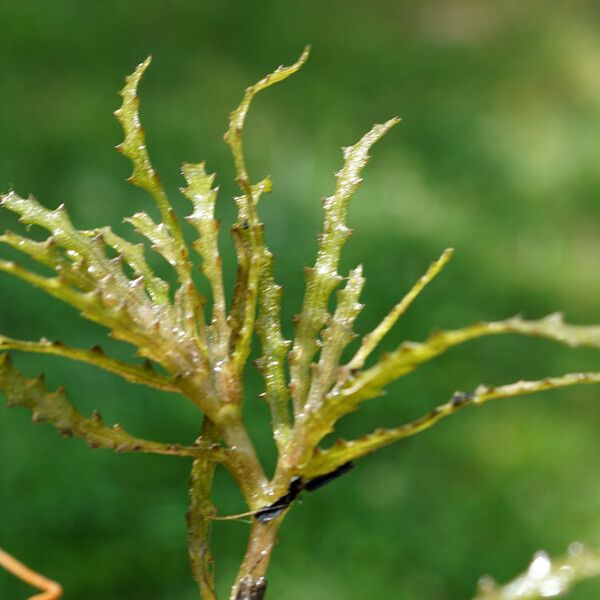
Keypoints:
(336, 336)
(141, 374)
(250, 247)
(202, 195)
(274, 350)
(324, 461)
(251, 253)
(55, 408)
(323, 278)
(144, 176)
(409, 355)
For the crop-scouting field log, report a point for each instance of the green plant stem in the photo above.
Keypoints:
(199, 515)
(250, 583)
(248, 471)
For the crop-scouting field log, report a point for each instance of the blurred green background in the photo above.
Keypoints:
(498, 155)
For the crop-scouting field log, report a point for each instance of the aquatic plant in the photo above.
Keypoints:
(201, 350)
(545, 577)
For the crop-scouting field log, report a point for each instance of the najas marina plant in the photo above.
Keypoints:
(201, 351)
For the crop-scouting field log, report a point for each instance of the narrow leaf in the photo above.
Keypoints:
(274, 350)
(187, 302)
(134, 148)
(133, 373)
(167, 237)
(55, 408)
(324, 461)
(233, 135)
(45, 253)
(323, 278)
(158, 234)
(371, 340)
(248, 237)
(106, 308)
(251, 254)
(133, 254)
(77, 246)
(202, 195)
(54, 286)
(336, 336)
(409, 355)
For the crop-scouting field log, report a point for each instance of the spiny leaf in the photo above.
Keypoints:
(324, 461)
(134, 145)
(251, 254)
(233, 136)
(249, 242)
(336, 336)
(134, 148)
(545, 577)
(187, 301)
(54, 286)
(323, 278)
(246, 250)
(150, 329)
(201, 194)
(370, 341)
(91, 304)
(46, 252)
(158, 234)
(100, 290)
(274, 350)
(55, 408)
(134, 373)
(167, 237)
(318, 418)
(64, 234)
(133, 254)
(84, 264)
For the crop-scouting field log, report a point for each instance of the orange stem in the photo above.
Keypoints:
(50, 589)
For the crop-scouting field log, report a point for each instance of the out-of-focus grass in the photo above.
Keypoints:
(497, 155)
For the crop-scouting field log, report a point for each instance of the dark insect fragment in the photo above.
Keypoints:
(268, 513)
(318, 482)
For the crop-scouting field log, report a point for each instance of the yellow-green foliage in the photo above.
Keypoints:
(545, 577)
(201, 352)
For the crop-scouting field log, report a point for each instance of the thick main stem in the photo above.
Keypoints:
(251, 583)
(249, 474)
